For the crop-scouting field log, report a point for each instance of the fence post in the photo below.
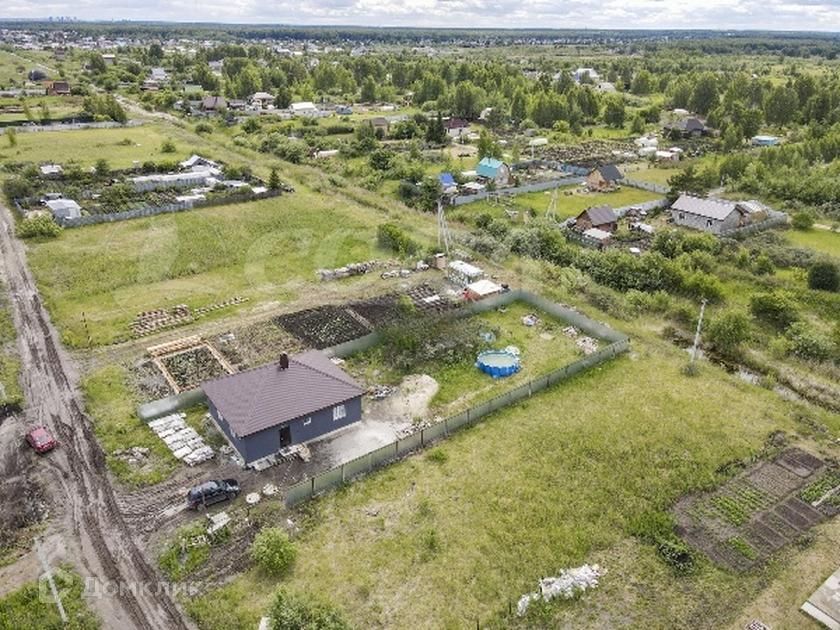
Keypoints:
(312, 490)
(422, 438)
(530, 393)
(343, 478)
(370, 461)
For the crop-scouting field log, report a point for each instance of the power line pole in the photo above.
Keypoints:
(444, 239)
(697, 332)
(48, 575)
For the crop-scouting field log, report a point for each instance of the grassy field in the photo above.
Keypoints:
(550, 483)
(120, 146)
(11, 394)
(543, 347)
(267, 250)
(654, 175)
(28, 607)
(819, 240)
(571, 201)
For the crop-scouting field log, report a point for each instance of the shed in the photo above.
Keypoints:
(597, 237)
(604, 177)
(709, 215)
(213, 103)
(481, 289)
(493, 169)
(295, 400)
(463, 273)
(64, 208)
(58, 88)
(263, 99)
(602, 217)
(303, 108)
(764, 141)
(197, 161)
(51, 171)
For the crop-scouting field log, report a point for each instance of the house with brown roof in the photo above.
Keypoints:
(214, 103)
(600, 217)
(295, 400)
(604, 177)
(57, 88)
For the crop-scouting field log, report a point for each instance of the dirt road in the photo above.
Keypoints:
(87, 527)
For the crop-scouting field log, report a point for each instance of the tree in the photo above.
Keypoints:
(273, 179)
(436, 132)
(40, 226)
(518, 106)
(368, 94)
(704, 96)
(168, 147)
(272, 551)
(781, 105)
(291, 611)
(728, 331)
(380, 160)
(775, 308)
(642, 83)
(102, 167)
(614, 112)
(802, 221)
(824, 275)
(637, 125)
(487, 145)
(45, 114)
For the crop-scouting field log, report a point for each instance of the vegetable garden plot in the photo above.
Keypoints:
(754, 514)
(192, 367)
(323, 326)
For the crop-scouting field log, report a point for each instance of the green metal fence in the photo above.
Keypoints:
(369, 462)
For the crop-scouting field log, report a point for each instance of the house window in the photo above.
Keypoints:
(682, 216)
(708, 223)
(308, 421)
(339, 412)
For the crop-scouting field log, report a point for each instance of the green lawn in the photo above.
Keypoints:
(267, 250)
(823, 241)
(31, 606)
(461, 385)
(553, 482)
(571, 201)
(653, 174)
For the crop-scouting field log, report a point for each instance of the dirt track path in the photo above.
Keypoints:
(89, 529)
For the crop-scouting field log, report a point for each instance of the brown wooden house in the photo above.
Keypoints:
(57, 88)
(604, 177)
(601, 217)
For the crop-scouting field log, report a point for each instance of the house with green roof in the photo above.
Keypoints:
(492, 169)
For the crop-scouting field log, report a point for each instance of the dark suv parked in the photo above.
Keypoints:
(211, 492)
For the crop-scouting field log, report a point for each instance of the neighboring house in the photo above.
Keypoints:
(198, 162)
(495, 170)
(604, 177)
(715, 215)
(187, 179)
(601, 217)
(64, 208)
(296, 400)
(764, 141)
(343, 110)
(303, 108)
(159, 74)
(690, 127)
(455, 127)
(263, 99)
(109, 59)
(51, 171)
(380, 125)
(581, 74)
(213, 103)
(58, 88)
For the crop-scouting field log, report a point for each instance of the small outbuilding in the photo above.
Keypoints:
(764, 141)
(51, 171)
(463, 273)
(303, 108)
(295, 400)
(213, 103)
(601, 217)
(482, 289)
(64, 208)
(604, 177)
(493, 169)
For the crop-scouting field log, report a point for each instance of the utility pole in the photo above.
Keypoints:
(444, 239)
(48, 575)
(697, 332)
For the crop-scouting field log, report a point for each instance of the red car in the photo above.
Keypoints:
(41, 440)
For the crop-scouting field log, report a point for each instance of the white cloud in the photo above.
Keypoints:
(823, 15)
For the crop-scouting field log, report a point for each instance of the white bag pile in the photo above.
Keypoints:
(184, 441)
(566, 585)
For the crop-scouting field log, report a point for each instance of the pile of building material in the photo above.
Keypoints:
(353, 269)
(149, 322)
(568, 584)
(203, 310)
(184, 441)
(587, 344)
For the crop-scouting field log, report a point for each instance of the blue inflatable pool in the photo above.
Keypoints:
(497, 363)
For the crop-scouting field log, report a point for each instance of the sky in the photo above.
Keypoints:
(809, 15)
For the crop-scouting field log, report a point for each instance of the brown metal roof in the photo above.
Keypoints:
(600, 215)
(267, 396)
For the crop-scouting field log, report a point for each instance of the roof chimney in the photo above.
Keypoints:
(284, 362)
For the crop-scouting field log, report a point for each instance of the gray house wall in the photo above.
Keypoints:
(696, 222)
(267, 442)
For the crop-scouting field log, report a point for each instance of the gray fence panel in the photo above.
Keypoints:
(454, 423)
(299, 492)
(539, 384)
(328, 479)
(434, 432)
(356, 467)
(383, 455)
(360, 344)
(409, 443)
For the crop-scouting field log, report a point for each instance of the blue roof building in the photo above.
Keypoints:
(447, 180)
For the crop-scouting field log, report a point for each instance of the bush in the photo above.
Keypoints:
(802, 221)
(775, 308)
(728, 331)
(204, 127)
(392, 238)
(807, 343)
(167, 147)
(41, 226)
(272, 551)
(824, 276)
(292, 611)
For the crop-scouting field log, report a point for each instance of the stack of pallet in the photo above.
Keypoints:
(184, 441)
